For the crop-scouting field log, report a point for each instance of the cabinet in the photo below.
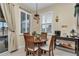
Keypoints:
(75, 40)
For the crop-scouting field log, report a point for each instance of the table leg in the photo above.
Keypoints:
(39, 50)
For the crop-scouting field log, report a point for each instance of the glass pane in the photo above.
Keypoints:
(23, 28)
(48, 28)
(0, 25)
(28, 17)
(48, 20)
(23, 20)
(23, 16)
(43, 28)
(5, 24)
(48, 17)
(43, 20)
(28, 27)
(5, 28)
(28, 23)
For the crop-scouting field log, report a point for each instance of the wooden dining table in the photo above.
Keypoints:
(39, 41)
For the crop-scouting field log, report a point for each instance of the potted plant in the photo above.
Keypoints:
(34, 33)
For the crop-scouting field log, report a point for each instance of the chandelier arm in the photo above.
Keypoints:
(36, 16)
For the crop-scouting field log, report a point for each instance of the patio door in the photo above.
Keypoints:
(3, 33)
(3, 36)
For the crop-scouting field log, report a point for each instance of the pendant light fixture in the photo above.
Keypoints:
(36, 15)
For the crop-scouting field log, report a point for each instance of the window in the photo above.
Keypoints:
(3, 29)
(3, 33)
(3, 36)
(25, 21)
(46, 23)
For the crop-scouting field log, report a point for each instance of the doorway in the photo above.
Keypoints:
(3, 36)
(3, 33)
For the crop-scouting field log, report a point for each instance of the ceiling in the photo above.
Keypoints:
(32, 6)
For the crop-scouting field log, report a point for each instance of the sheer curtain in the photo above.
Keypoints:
(8, 10)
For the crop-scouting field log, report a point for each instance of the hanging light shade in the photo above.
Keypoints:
(36, 15)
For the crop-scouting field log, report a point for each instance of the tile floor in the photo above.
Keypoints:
(21, 52)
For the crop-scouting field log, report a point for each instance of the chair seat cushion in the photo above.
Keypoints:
(35, 48)
(45, 47)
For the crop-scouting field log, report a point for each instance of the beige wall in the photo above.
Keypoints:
(66, 17)
(20, 40)
(65, 12)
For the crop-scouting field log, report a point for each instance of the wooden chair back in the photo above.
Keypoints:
(25, 36)
(30, 42)
(51, 46)
(25, 39)
(44, 35)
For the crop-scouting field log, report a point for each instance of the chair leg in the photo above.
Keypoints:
(33, 53)
(43, 53)
(49, 53)
(26, 53)
(25, 48)
(36, 53)
(52, 53)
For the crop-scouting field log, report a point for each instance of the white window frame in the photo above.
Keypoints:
(50, 12)
(21, 10)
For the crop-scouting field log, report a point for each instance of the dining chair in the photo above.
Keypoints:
(27, 34)
(49, 46)
(30, 45)
(25, 39)
(44, 35)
